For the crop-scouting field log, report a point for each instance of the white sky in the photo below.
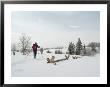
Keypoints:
(56, 28)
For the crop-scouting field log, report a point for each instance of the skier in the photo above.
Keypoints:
(34, 47)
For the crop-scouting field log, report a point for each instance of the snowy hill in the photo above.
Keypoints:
(27, 66)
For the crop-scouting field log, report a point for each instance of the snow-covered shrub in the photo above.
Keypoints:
(90, 52)
(41, 50)
(67, 52)
(48, 51)
(58, 52)
(94, 46)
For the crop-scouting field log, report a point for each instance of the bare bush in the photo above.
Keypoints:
(24, 43)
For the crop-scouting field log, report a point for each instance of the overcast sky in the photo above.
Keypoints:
(56, 28)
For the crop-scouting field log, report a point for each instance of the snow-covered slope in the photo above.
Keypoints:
(27, 66)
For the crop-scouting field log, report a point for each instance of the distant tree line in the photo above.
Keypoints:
(24, 46)
(58, 52)
(81, 49)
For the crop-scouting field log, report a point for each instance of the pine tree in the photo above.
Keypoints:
(71, 48)
(78, 47)
(84, 49)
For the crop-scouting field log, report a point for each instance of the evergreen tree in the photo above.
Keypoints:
(84, 49)
(79, 47)
(71, 48)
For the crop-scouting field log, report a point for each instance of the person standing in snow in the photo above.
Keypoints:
(34, 47)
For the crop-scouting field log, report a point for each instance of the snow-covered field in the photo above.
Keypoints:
(27, 66)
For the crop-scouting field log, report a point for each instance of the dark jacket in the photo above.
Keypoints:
(34, 47)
